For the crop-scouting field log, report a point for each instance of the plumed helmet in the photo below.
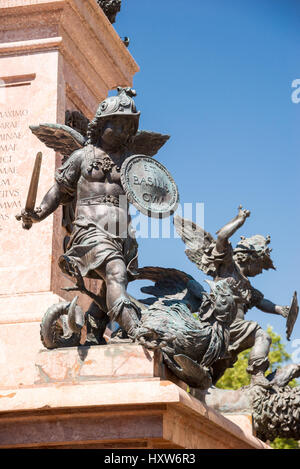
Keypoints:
(257, 246)
(120, 105)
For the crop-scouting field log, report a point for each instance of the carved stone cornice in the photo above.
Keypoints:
(79, 29)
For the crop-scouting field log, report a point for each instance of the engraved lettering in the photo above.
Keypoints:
(10, 205)
(8, 170)
(6, 159)
(4, 194)
(6, 148)
(8, 125)
(157, 199)
(10, 136)
(4, 182)
(147, 197)
(14, 113)
(152, 198)
(11, 124)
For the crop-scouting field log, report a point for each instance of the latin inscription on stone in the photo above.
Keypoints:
(11, 132)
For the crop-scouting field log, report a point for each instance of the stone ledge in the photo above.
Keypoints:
(26, 307)
(9, 4)
(115, 394)
(33, 25)
(182, 420)
(30, 45)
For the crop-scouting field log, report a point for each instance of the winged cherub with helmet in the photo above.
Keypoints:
(218, 259)
(102, 244)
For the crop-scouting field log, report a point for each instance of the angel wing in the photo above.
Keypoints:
(59, 137)
(199, 244)
(147, 143)
(171, 285)
(65, 139)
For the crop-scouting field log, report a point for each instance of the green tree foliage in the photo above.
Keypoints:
(237, 376)
(285, 443)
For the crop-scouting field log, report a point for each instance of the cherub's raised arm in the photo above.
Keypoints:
(230, 228)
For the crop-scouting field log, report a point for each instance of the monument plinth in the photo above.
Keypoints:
(55, 56)
(113, 396)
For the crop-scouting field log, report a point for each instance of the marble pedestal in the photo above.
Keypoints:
(112, 396)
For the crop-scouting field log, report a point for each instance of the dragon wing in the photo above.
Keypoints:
(199, 244)
(61, 138)
(147, 143)
(171, 284)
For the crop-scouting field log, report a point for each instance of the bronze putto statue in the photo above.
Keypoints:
(108, 164)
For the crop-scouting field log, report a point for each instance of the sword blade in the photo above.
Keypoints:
(32, 192)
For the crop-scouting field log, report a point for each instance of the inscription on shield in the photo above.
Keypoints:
(149, 186)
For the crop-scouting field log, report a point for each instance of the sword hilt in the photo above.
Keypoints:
(25, 225)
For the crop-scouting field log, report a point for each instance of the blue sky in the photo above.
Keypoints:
(217, 76)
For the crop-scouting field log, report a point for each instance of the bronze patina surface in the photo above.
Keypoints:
(149, 186)
(198, 333)
(292, 316)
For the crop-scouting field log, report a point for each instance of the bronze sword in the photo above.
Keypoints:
(32, 192)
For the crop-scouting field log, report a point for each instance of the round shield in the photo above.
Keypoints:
(149, 186)
(292, 316)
